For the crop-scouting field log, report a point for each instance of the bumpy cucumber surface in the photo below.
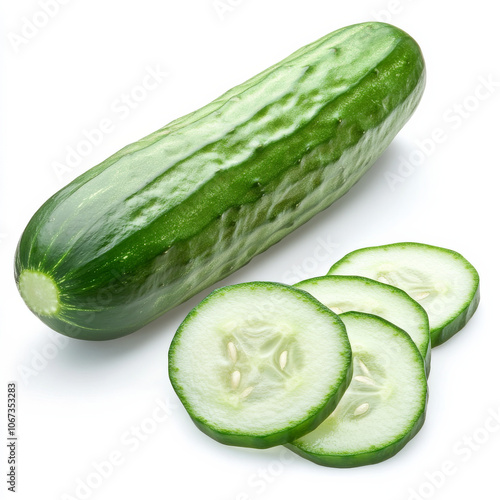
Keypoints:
(355, 293)
(175, 212)
(258, 364)
(384, 406)
(441, 280)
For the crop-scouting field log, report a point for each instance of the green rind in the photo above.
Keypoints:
(454, 324)
(394, 290)
(370, 457)
(167, 216)
(312, 420)
(441, 335)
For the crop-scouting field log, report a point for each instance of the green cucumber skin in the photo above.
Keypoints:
(441, 335)
(184, 207)
(276, 438)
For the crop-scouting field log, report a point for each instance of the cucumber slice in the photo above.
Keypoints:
(259, 364)
(354, 293)
(383, 408)
(441, 280)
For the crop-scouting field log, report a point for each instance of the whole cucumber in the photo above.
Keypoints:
(182, 208)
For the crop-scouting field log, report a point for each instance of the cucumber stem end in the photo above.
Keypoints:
(40, 292)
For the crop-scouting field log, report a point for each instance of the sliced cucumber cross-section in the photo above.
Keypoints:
(384, 406)
(259, 364)
(354, 293)
(441, 280)
(40, 292)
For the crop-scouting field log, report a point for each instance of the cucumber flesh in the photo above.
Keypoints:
(40, 292)
(259, 364)
(441, 280)
(383, 408)
(354, 293)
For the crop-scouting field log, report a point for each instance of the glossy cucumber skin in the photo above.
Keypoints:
(182, 208)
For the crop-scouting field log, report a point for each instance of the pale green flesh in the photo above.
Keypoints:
(385, 400)
(441, 280)
(40, 292)
(354, 293)
(253, 360)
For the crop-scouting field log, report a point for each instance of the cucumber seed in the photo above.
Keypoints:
(231, 349)
(246, 392)
(361, 409)
(235, 379)
(283, 359)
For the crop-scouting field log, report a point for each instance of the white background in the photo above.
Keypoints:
(80, 403)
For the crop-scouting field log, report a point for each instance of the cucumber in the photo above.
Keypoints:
(258, 364)
(354, 293)
(441, 280)
(175, 212)
(384, 406)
